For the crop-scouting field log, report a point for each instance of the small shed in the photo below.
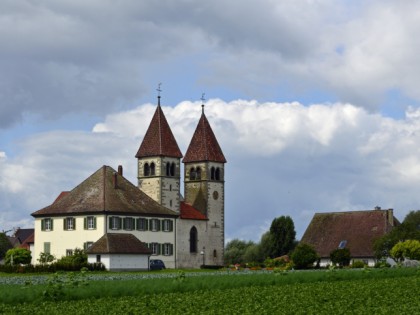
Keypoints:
(120, 252)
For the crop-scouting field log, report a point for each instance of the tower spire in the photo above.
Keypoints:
(159, 90)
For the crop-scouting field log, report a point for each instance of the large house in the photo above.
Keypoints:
(182, 230)
(355, 230)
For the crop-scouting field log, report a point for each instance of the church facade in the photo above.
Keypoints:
(184, 230)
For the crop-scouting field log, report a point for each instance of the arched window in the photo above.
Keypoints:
(173, 169)
(168, 169)
(152, 169)
(146, 169)
(217, 174)
(212, 174)
(193, 240)
(198, 174)
(193, 173)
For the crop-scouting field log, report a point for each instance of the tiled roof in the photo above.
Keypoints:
(20, 235)
(159, 140)
(188, 212)
(359, 228)
(28, 241)
(99, 194)
(118, 243)
(204, 145)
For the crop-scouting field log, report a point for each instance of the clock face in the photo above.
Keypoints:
(215, 195)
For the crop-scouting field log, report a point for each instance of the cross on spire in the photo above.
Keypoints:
(202, 102)
(159, 90)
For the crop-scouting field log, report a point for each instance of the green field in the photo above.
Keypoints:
(384, 291)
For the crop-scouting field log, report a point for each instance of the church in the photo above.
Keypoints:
(106, 211)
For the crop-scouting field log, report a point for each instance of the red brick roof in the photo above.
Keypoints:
(99, 194)
(188, 212)
(159, 140)
(204, 145)
(118, 243)
(359, 228)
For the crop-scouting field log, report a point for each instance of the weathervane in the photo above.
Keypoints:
(202, 102)
(159, 90)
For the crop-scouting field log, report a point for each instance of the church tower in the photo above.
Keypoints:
(158, 162)
(204, 185)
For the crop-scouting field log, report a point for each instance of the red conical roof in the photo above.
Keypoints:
(204, 145)
(159, 140)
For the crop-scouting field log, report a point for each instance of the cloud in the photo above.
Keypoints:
(96, 57)
(283, 159)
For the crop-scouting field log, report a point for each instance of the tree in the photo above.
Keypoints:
(282, 231)
(303, 256)
(45, 258)
(409, 249)
(5, 245)
(409, 229)
(340, 256)
(235, 251)
(17, 256)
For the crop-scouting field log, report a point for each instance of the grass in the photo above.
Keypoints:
(75, 286)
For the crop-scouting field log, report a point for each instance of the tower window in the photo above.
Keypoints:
(193, 174)
(193, 240)
(212, 173)
(168, 169)
(198, 173)
(173, 169)
(152, 169)
(217, 174)
(146, 170)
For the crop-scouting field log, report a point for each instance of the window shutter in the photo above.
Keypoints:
(159, 248)
(74, 223)
(85, 244)
(171, 249)
(43, 225)
(51, 221)
(146, 225)
(110, 222)
(171, 225)
(85, 223)
(119, 223)
(64, 224)
(94, 222)
(158, 224)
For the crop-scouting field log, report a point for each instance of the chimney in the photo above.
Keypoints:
(377, 208)
(391, 216)
(120, 170)
(115, 180)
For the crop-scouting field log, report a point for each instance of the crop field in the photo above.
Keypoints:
(384, 291)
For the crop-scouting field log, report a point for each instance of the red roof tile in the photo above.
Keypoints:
(359, 228)
(99, 193)
(188, 212)
(118, 243)
(159, 140)
(204, 145)
(61, 195)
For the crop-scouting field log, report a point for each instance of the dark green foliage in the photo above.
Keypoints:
(358, 264)
(4, 245)
(17, 256)
(409, 229)
(340, 257)
(235, 251)
(304, 256)
(282, 231)
(45, 258)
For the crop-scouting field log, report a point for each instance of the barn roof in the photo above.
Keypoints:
(355, 230)
(105, 191)
(118, 243)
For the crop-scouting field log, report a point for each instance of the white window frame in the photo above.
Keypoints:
(154, 225)
(155, 248)
(47, 224)
(69, 252)
(90, 223)
(167, 249)
(166, 225)
(70, 226)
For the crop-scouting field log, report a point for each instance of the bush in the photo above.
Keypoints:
(358, 264)
(18, 256)
(409, 249)
(340, 257)
(304, 256)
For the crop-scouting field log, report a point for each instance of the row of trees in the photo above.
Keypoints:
(279, 240)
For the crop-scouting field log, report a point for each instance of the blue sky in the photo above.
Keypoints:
(315, 103)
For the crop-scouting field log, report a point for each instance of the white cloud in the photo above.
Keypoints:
(283, 159)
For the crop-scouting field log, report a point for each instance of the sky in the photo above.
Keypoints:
(316, 103)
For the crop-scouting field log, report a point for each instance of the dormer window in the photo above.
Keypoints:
(342, 244)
